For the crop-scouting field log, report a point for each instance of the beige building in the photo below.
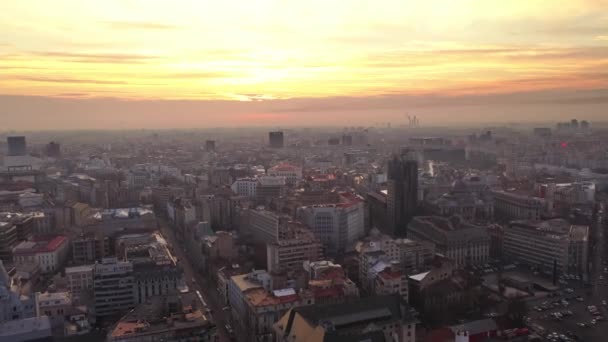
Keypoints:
(514, 206)
(298, 245)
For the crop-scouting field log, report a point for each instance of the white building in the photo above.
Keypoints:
(49, 253)
(292, 173)
(13, 306)
(245, 187)
(338, 226)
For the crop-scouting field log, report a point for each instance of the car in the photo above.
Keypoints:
(226, 308)
(582, 325)
(579, 298)
(604, 302)
(594, 322)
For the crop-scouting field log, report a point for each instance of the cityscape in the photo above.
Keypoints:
(303, 171)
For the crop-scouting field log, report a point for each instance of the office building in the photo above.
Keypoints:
(53, 150)
(275, 139)
(402, 196)
(16, 146)
(464, 243)
(113, 287)
(545, 244)
(514, 206)
(297, 245)
(338, 226)
(27, 329)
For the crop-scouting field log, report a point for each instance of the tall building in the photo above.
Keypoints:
(402, 198)
(53, 149)
(113, 286)
(16, 146)
(289, 252)
(210, 145)
(276, 139)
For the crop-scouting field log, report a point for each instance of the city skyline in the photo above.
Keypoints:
(268, 62)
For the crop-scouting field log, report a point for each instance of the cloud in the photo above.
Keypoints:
(95, 57)
(139, 25)
(198, 75)
(71, 94)
(65, 80)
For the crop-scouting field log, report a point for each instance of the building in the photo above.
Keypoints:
(462, 242)
(16, 146)
(275, 139)
(54, 305)
(256, 305)
(13, 305)
(88, 248)
(210, 145)
(269, 189)
(264, 226)
(245, 187)
(79, 280)
(377, 318)
(48, 252)
(223, 279)
(27, 329)
(548, 245)
(167, 318)
(8, 240)
(113, 287)
(155, 270)
(377, 210)
(465, 202)
(402, 196)
(338, 226)
(329, 283)
(292, 173)
(390, 281)
(53, 150)
(514, 206)
(290, 251)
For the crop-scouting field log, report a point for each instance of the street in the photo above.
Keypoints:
(206, 288)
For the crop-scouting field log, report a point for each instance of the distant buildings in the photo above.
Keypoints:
(210, 145)
(377, 318)
(53, 150)
(548, 244)
(402, 198)
(275, 139)
(462, 242)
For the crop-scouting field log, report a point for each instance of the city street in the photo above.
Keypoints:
(207, 290)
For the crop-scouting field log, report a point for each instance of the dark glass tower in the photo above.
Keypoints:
(402, 199)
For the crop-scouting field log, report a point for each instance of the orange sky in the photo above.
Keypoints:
(268, 51)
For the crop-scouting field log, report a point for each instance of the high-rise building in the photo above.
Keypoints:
(16, 146)
(402, 198)
(210, 145)
(275, 139)
(53, 149)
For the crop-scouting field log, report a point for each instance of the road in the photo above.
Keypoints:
(206, 288)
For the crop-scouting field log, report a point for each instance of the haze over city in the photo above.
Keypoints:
(184, 64)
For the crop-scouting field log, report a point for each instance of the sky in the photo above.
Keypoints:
(174, 64)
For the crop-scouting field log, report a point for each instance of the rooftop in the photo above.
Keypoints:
(40, 244)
